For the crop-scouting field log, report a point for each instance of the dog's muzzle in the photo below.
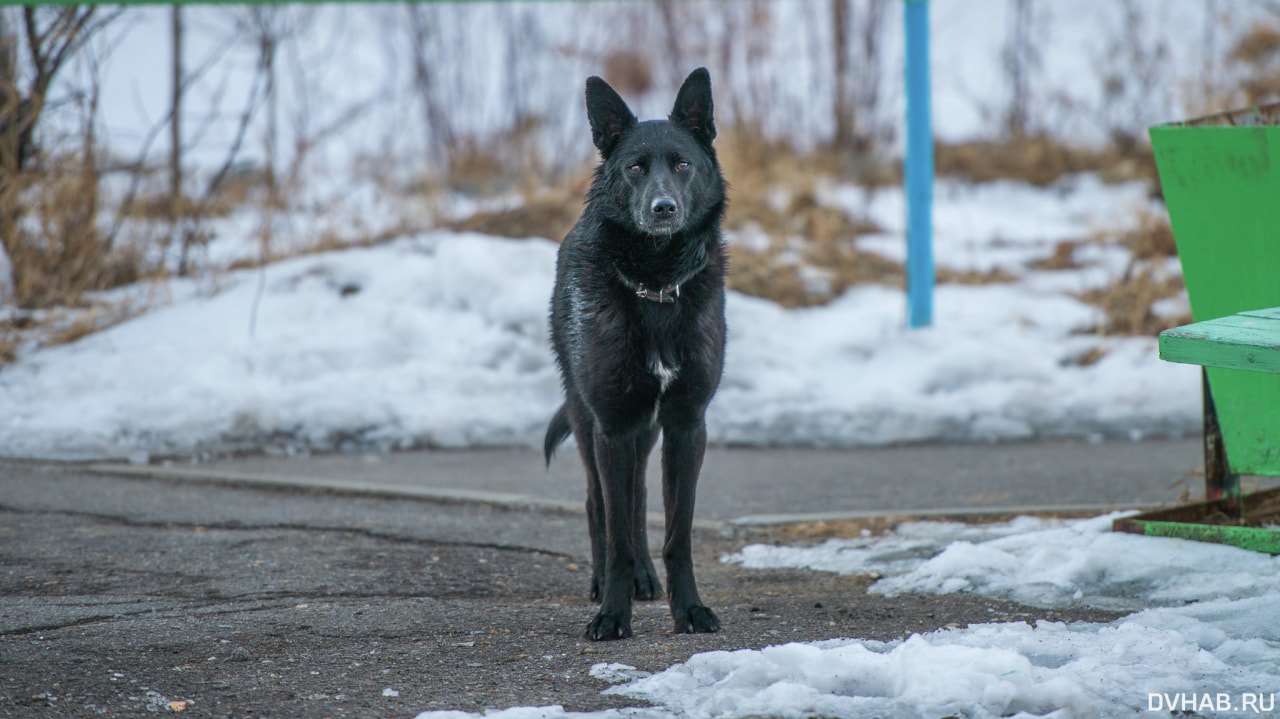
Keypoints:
(663, 216)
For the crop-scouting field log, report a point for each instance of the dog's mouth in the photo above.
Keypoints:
(660, 228)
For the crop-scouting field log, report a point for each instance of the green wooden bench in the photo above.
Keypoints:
(1220, 176)
(1247, 340)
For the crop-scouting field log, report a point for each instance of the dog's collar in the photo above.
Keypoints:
(666, 295)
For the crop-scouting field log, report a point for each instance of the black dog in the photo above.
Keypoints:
(637, 320)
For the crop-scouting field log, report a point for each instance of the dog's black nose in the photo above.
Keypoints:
(663, 207)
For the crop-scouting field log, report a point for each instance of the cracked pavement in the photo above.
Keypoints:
(121, 595)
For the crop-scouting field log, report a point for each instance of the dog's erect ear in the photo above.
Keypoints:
(693, 106)
(608, 114)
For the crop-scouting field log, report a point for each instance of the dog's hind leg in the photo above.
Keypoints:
(648, 586)
(584, 432)
(683, 446)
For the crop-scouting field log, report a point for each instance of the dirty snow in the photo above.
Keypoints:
(1209, 644)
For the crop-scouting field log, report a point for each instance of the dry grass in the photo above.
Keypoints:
(550, 216)
(993, 276)
(1127, 303)
(811, 254)
(1063, 257)
(756, 164)
(10, 340)
(779, 274)
(1258, 52)
(160, 207)
(629, 72)
(475, 170)
(328, 241)
(1089, 357)
(58, 252)
(763, 274)
(1151, 238)
(551, 199)
(62, 325)
(1040, 160)
(1259, 45)
(96, 318)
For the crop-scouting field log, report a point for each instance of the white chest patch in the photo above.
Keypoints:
(664, 373)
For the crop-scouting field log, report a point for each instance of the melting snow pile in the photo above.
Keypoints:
(1211, 645)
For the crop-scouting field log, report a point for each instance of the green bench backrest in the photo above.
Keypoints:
(1221, 183)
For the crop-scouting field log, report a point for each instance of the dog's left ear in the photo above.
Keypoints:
(693, 106)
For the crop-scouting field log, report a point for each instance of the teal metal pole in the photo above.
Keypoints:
(918, 167)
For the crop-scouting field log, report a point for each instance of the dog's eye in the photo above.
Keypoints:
(682, 165)
(635, 169)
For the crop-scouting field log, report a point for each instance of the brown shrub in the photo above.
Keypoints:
(1258, 51)
(160, 207)
(993, 276)
(57, 253)
(629, 72)
(475, 170)
(1063, 257)
(762, 274)
(551, 217)
(1127, 302)
(777, 274)
(1089, 357)
(1152, 238)
(9, 341)
(1040, 160)
(1259, 45)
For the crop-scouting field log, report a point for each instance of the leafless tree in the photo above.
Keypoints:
(857, 30)
(1021, 59)
(30, 59)
(423, 33)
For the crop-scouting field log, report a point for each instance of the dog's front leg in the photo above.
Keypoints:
(647, 584)
(616, 463)
(682, 449)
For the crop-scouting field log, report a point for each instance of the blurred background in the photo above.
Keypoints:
(140, 145)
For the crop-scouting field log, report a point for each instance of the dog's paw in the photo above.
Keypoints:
(597, 581)
(648, 586)
(606, 627)
(695, 620)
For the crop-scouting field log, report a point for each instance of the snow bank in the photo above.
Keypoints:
(990, 670)
(1041, 562)
(438, 341)
(1214, 649)
(441, 340)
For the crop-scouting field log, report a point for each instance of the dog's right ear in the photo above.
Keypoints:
(608, 114)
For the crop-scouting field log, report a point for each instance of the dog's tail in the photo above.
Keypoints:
(556, 432)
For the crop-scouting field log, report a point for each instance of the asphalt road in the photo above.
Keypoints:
(311, 597)
(785, 484)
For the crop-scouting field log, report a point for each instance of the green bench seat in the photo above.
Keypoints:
(1248, 341)
(1244, 341)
